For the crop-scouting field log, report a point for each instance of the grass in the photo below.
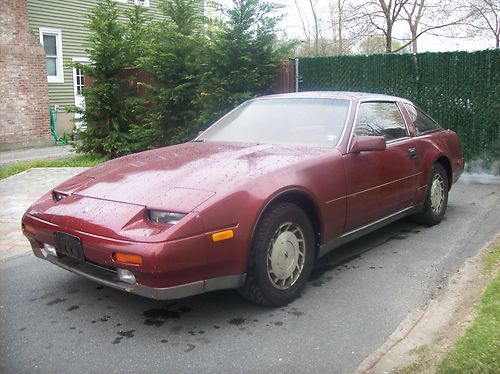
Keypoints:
(75, 161)
(478, 351)
(424, 358)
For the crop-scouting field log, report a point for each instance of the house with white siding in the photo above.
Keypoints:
(61, 26)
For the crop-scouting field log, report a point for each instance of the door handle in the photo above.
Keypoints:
(412, 152)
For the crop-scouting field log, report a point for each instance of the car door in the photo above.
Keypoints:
(380, 183)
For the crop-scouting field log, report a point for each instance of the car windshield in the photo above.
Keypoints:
(294, 121)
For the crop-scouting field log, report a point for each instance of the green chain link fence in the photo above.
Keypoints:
(460, 90)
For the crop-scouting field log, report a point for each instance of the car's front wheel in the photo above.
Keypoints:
(437, 197)
(281, 256)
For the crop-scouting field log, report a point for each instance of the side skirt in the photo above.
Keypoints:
(360, 231)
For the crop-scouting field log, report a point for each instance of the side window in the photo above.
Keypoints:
(422, 122)
(380, 119)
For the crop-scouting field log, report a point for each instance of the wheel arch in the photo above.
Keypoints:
(445, 163)
(304, 201)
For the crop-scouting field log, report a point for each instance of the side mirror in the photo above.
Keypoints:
(367, 143)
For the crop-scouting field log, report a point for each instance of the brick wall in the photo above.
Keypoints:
(24, 103)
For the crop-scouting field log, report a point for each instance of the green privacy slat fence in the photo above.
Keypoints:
(460, 90)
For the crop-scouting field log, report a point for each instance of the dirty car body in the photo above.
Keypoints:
(253, 201)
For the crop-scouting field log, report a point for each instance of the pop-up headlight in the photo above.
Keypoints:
(168, 218)
(58, 196)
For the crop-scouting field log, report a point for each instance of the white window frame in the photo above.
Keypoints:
(144, 3)
(83, 60)
(59, 78)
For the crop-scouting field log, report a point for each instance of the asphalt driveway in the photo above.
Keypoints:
(54, 321)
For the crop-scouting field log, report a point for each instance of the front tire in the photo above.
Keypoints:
(281, 256)
(436, 199)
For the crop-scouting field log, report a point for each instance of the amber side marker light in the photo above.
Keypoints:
(126, 258)
(222, 235)
(29, 229)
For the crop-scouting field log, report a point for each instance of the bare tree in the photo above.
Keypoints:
(304, 22)
(413, 13)
(428, 16)
(314, 12)
(485, 18)
(329, 26)
(383, 14)
(347, 28)
(311, 29)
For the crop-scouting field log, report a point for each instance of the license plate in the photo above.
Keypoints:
(69, 245)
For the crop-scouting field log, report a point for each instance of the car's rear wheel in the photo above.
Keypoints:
(437, 197)
(281, 256)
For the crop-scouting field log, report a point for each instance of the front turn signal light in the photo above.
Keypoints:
(29, 229)
(222, 235)
(127, 258)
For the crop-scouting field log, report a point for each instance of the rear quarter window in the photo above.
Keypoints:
(421, 121)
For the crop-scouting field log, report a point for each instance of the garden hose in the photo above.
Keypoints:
(58, 140)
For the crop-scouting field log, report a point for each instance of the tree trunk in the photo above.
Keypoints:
(414, 40)
(388, 37)
(316, 28)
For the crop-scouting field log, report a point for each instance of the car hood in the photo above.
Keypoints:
(184, 176)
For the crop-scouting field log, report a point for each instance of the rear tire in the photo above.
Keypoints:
(436, 199)
(281, 256)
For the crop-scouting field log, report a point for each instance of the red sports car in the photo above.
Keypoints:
(253, 201)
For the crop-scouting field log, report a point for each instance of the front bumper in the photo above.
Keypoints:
(170, 270)
(108, 277)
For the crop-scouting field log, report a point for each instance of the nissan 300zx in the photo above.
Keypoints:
(253, 201)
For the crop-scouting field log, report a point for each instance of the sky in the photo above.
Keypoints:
(427, 43)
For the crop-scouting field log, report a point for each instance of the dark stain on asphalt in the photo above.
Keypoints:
(318, 272)
(157, 317)
(321, 282)
(41, 297)
(163, 341)
(22, 329)
(216, 327)
(73, 328)
(411, 231)
(190, 347)
(237, 321)
(193, 333)
(104, 318)
(295, 312)
(73, 307)
(123, 334)
(56, 301)
(398, 237)
(99, 287)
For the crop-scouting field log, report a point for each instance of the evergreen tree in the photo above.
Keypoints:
(243, 56)
(175, 59)
(111, 109)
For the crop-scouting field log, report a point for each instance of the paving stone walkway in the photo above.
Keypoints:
(17, 193)
(53, 152)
